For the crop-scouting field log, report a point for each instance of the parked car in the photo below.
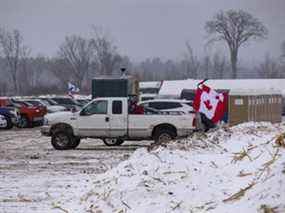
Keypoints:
(152, 111)
(8, 117)
(3, 122)
(49, 100)
(109, 119)
(168, 105)
(37, 104)
(50, 108)
(29, 115)
(83, 102)
(147, 96)
(69, 103)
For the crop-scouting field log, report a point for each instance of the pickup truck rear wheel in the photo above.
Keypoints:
(62, 141)
(163, 136)
(113, 141)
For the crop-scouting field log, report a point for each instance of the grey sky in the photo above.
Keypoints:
(140, 28)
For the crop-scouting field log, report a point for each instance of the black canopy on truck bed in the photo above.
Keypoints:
(114, 87)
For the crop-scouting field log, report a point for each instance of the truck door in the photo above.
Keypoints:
(118, 121)
(94, 120)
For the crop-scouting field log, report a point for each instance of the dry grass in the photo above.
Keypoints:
(243, 174)
(267, 209)
(280, 140)
(239, 156)
(56, 206)
(266, 165)
(239, 194)
(270, 162)
(19, 198)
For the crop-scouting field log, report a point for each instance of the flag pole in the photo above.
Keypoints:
(198, 119)
(202, 82)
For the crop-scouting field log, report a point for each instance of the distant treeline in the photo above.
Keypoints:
(80, 59)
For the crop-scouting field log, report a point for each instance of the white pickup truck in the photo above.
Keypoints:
(108, 119)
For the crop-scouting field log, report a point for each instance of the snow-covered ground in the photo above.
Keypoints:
(36, 178)
(238, 169)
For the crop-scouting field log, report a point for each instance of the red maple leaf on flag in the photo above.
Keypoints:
(208, 104)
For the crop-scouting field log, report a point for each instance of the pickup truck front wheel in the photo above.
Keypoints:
(113, 141)
(163, 136)
(63, 141)
(75, 143)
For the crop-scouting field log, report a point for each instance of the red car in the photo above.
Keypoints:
(29, 115)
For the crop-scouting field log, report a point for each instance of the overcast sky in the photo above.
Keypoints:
(140, 28)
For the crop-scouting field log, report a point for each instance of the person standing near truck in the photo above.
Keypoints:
(134, 108)
(209, 105)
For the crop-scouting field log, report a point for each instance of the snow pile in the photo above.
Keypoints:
(238, 169)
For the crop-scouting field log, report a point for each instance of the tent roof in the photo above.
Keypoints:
(174, 88)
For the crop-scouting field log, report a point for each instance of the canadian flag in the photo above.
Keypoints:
(209, 102)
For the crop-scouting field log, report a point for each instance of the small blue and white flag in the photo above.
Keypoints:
(72, 89)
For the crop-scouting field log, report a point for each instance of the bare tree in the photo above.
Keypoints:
(76, 52)
(3, 88)
(235, 28)
(283, 57)
(269, 68)
(283, 50)
(106, 55)
(24, 83)
(38, 66)
(13, 51)
(207, 66)
(170, 70)
(192, 62)
(219, 66)
(59, 68)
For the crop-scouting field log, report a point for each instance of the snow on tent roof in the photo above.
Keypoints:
(174, 88)
(149, 84)
(247, 92)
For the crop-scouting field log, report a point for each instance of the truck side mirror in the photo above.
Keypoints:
(82, 112)
(73, 110)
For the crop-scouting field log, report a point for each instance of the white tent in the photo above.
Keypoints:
(174, 88)
(149, 84)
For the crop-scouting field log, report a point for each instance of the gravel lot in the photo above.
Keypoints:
(34, 176)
